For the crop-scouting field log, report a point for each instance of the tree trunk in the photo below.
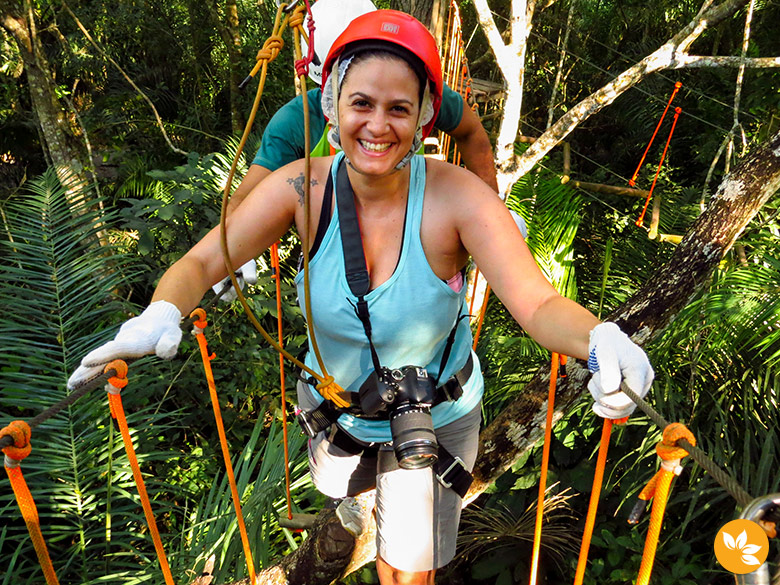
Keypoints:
(229, 33)
(422, 10)
(61, 144)
(521, 424)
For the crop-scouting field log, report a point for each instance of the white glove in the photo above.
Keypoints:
(156, 330)
(613, 357)
(246, 274)
(520, 223)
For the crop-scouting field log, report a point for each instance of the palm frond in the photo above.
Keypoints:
(59, 289)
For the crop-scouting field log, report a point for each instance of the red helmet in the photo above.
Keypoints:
(400, 29)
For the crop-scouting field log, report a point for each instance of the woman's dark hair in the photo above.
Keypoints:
(364, 50)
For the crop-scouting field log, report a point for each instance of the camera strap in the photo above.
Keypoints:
(356, 269)
(355, 266)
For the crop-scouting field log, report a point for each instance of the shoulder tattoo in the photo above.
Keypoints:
(298, 183)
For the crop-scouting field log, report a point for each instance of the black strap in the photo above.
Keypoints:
(355, 266)
(450, 342)
(452, 473)
(351, 242)
(350, 444)
(322, 225)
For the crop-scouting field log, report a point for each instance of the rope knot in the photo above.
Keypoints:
(302, 67)
(271, 48)
(119, 379)
(200, 323)
(331, 391)
(668, 448)
(297, 17)
(20, 432)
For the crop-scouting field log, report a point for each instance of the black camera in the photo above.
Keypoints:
(407, 395)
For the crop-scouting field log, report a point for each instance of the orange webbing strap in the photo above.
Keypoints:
(278, 277)
(197, 330)
(595, 494)
(545, 465)
(114, 387)
(474, 290)
(632, 180)
(482, 312)
(20, 432)
(639, 221)
(658, 489)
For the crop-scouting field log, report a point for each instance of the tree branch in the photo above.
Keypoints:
(684, 61)
(127, 78)
(661, 58)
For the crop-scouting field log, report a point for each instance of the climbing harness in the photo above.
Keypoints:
(450, 470)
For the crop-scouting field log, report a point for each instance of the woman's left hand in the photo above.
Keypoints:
(613, 358)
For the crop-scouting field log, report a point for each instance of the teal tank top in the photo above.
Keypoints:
(412, 314)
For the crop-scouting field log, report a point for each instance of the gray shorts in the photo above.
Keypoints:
(417, 518)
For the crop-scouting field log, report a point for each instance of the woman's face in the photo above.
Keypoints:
(378, 111)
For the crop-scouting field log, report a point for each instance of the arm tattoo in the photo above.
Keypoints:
(297, 184)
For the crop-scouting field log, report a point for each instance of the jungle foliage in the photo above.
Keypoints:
(75, 264)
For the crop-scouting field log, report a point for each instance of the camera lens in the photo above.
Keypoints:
(414, 441)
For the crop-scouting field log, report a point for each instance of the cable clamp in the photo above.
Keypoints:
(672, 465)
(10, 462)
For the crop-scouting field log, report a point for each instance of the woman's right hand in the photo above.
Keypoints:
(156, 330)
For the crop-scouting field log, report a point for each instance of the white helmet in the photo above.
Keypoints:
(331, 17)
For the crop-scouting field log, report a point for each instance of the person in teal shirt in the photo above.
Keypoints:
(412, 223)
(283, 137)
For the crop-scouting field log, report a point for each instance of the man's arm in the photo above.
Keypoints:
(474, 147)
(253, 177)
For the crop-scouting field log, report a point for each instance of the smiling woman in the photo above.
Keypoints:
(388, 254)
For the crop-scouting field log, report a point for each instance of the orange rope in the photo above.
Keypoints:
(481, 316)
(658, 489)
(198, 327)
(595, 494)
(658, 170)
(545, 465)
(115, 384)
(278, 277)
(20, 432)
(632, 180)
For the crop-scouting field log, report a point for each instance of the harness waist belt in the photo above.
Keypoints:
(450, 471)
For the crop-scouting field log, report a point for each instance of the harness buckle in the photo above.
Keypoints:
(442, 477)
